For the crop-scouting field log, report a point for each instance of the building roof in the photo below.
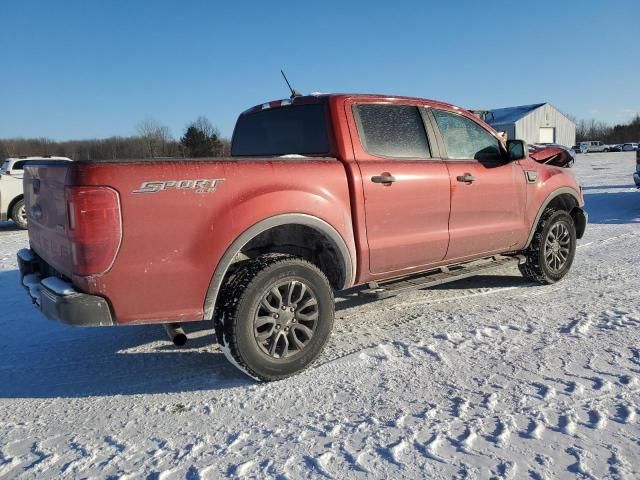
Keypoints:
(500, 116)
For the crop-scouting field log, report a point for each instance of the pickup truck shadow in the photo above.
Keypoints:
(350, 298)
(9, 227)
(45, 359)
(613, 207)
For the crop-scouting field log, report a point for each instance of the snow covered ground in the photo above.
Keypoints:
(486, 377)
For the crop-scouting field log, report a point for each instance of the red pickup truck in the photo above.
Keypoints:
(322, 193)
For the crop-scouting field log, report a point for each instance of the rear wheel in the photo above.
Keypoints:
(19, 214)
(551, 253)
(275, 316)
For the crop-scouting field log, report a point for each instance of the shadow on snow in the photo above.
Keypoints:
(613, 207)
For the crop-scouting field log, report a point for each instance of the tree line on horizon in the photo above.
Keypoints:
(201, 139)
(609, 134)
(152, 140)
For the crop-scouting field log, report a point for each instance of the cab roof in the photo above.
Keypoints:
(327, 97)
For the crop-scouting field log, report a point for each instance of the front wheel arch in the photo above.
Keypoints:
(562, 199)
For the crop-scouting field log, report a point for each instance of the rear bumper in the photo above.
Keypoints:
(57, 299)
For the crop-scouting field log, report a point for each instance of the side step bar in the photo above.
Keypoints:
(431, 278)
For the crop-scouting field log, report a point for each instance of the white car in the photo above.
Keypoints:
(630, 147)
(11, 193)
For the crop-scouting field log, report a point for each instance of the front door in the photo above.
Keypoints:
(406, 190)
(488, 192)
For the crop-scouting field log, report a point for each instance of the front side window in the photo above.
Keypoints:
(465, 139)
(394, 131)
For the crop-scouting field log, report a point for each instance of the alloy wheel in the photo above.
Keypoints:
(557, 246)
(286, 319)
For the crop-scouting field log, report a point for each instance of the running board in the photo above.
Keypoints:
(431, 278)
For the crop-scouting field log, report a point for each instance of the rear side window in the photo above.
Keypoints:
(18, 165)
(395, 131)
(4, 167)
(294, 129)
(465, 139)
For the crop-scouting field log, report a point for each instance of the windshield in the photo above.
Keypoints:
(288, 130)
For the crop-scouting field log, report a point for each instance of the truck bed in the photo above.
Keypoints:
(178, 218)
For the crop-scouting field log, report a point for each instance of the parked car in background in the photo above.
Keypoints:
(595, 146)
(630, 147)
(617, 147)
(581, 147)
(11, 194)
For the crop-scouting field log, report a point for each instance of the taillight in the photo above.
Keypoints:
(95, 228)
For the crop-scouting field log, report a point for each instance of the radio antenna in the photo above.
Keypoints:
(294, 93)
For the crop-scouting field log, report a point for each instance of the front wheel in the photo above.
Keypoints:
(19, 214)
(275, 316)
(551, 253)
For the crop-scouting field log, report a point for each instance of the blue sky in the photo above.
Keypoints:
(82, 69)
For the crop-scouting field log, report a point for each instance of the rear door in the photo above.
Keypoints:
(405, 183)
(488, 192)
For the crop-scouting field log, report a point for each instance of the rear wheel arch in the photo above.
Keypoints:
(561, 199)
(301, 235)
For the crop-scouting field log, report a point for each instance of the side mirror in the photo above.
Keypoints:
(517, 149)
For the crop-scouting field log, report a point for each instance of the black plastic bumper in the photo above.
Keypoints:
(57, 299)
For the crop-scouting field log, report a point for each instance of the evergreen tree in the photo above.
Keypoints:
(201, 139)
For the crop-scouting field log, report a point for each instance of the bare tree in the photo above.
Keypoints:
(154, 136)
(152, 140)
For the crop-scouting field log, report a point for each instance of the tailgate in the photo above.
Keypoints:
(44, 192)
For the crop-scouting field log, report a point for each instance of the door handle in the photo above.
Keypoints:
(466, 178)
(384, 178)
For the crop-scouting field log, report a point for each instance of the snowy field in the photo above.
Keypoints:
(486, 377)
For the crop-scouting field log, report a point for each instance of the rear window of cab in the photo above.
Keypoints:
(287, 130)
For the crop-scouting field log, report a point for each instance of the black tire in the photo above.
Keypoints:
(18, 214)
(262, 343)
(552, 250)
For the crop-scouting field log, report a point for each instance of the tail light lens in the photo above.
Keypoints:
(95, 228)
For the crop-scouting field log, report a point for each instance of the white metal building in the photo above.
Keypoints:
(536, 123)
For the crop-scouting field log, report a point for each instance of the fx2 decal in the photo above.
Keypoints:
(203, 185)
